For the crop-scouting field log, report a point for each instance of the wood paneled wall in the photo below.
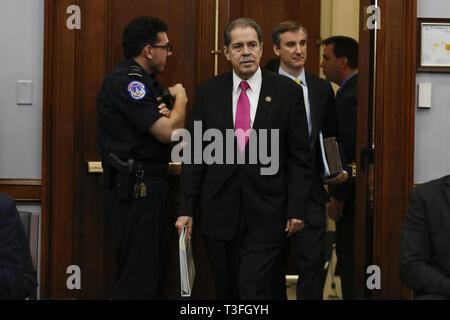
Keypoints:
(24, 191)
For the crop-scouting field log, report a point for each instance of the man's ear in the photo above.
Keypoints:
(344, 62)
(260, 55)
(226, 52)
(276, 49)
(148, 52)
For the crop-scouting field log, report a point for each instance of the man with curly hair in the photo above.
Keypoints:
(135, 129)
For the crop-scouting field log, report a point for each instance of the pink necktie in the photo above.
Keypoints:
(242, 117)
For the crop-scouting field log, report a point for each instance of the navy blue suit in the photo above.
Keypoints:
(17, 276)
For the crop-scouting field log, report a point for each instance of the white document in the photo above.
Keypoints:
(435, 45)
(326, 172)
(187, 267)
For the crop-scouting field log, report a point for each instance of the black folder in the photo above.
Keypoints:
(330, 156)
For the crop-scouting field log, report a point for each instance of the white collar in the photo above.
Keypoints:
(302, 75)
(254, 81)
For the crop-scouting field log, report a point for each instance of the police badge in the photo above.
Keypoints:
(137, 90)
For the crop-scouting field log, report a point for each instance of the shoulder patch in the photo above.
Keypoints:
(137, 90)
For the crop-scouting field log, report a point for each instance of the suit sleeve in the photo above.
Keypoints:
(192, 174)
(329, 125)
(329, 128)
(416, 269)
(346, 119)
(299, 160)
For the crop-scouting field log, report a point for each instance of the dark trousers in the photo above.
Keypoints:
(243, 267)
(309, 258)
(310, 262)
(139, 231)
(345, 251)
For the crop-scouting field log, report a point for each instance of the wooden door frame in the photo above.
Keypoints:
(58, 220)
(394, 107)
(365, 104)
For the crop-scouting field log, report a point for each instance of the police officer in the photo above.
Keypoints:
(135, 127)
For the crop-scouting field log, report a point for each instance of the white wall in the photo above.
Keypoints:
(432, 131)
(21, 58)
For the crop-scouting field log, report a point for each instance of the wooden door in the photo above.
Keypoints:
(394, 138)
(365, 165)
(267, 13)
(385, 120)
(76, 61)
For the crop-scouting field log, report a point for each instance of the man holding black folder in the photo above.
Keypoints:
(290, 44)
(340, 65)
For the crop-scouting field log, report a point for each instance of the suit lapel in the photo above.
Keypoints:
(313, 106)
(263, 104)
(225, 100)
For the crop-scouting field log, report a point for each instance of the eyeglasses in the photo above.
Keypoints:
(168, 47)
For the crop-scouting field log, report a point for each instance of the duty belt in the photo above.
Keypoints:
(127, 176)
(152, 169)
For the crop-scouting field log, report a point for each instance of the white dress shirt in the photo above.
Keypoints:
(253, 92)
(304, 86)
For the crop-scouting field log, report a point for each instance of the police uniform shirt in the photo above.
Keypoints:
(127, 107)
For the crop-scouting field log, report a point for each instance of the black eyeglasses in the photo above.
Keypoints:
(168, 47)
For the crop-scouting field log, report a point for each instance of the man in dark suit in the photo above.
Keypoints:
(245, 212)
(425, 241)
(290, 44)
(340, 65)
(17, 275)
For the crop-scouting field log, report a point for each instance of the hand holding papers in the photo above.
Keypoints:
(183, 222)
(187, 267)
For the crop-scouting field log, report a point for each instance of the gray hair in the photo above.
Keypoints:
(241, 22)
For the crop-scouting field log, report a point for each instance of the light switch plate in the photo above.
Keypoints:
(24, 92)
(424, 99)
